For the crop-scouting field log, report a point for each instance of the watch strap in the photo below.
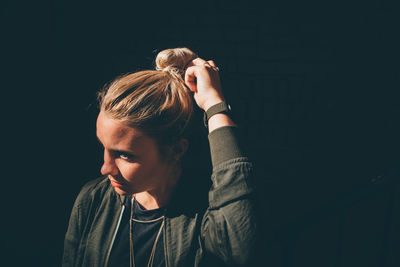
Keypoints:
(221, 107)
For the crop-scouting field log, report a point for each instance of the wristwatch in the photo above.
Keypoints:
(221, 107)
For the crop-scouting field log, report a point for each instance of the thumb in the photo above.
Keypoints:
(190, 78)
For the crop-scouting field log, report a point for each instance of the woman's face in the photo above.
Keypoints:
(132, 160)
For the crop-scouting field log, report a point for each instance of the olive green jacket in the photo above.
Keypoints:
(216, 231)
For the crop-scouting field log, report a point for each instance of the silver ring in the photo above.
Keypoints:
(208, 64)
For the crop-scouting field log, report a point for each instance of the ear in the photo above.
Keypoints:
(180, 148)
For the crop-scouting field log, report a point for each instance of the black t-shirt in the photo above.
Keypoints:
(146, 226)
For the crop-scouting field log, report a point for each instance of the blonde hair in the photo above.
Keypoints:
(156, 102)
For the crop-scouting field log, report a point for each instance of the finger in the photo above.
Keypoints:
(196, 62)
(212, 63)
(190, 78)
(199, 62)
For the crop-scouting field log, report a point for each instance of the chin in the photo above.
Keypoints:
(122, 192)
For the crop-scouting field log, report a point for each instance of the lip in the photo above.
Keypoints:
(116, 184)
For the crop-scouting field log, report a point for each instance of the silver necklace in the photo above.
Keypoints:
(153, 250)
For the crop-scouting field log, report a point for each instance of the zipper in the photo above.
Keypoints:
(165, 243)
(115, 234)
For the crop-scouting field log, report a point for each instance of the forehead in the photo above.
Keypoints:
(112, 132)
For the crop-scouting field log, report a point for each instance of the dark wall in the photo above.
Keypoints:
(314, 87)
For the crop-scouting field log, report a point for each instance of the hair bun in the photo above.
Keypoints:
(177, 58)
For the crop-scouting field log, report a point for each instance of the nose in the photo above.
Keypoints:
(109, 167)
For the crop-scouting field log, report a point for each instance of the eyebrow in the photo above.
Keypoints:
(124, 152)
(117, 150)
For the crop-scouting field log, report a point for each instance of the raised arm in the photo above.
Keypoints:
(229, 225)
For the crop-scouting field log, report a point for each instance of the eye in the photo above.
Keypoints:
(125, 156)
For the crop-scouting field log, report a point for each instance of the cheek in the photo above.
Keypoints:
(145, 169)
(130, 171)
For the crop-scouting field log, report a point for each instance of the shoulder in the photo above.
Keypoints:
(95, 185)
(94, 191)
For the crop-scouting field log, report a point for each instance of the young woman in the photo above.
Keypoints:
(145, 210)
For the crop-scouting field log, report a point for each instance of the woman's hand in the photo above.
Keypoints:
(203, 79)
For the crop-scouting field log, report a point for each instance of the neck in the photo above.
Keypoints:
(160, 196)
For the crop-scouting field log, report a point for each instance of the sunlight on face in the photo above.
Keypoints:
(132, 160)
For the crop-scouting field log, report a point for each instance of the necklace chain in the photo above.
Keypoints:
(153, 250)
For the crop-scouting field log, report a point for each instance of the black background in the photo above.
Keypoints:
(314, 87)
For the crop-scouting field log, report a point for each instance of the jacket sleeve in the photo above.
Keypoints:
(229, 225)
